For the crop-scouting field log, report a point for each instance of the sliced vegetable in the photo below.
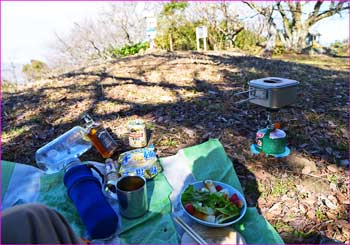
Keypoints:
(209, 185)
(225, 193)
(189, 208)
(190, 195)
(204, 209)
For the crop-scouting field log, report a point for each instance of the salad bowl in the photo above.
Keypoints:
(213, 203)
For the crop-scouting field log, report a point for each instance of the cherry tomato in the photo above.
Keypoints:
(189, 208)
(234, 198)
(239, 204)
(218, 187)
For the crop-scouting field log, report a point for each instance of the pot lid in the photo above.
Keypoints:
(273, 82)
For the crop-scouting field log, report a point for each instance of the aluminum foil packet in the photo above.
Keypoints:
(142, 162)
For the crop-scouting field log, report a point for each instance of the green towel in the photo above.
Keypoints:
(209, 161)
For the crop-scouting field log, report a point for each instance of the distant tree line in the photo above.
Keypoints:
(254, 26)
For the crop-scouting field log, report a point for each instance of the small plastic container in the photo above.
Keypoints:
(55, 155)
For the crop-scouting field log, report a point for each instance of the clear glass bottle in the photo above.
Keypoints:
(72, 162)
(53, 156)
(100, 138)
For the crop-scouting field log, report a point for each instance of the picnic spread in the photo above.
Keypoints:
(207, 161)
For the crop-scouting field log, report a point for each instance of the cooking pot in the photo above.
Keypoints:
(273, 92)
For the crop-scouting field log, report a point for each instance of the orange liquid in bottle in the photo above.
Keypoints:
(102, 140)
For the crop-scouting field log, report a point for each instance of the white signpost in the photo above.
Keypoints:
(151, 32)
(202, 32)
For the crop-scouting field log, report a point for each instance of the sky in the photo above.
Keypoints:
(27, 28)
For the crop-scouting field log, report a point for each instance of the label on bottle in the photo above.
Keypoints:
(106, 139)
(137, 133)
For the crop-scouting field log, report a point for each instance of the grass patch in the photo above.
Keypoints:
(302, 234)
(332, 179)
(282, 226)
(150, 126)
(281, 187)
(320, 215)
(15, 132)
(168, 142)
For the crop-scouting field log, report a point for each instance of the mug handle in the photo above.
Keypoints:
(91, 166)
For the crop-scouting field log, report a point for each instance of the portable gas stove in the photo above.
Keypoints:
(272, 93)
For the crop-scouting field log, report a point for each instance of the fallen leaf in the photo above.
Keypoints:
(333, 168)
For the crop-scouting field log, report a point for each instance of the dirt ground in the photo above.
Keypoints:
(186, 98)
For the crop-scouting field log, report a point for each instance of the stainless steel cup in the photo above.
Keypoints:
(132, 196)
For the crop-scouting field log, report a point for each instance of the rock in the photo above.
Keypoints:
(301, 164)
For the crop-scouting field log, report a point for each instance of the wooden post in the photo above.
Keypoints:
(198, 47)
(205, 43)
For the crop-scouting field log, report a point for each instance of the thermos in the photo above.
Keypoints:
(85, 190)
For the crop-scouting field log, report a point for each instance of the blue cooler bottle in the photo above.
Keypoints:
(85, 190)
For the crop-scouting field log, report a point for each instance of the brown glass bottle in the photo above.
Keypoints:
(100, 138)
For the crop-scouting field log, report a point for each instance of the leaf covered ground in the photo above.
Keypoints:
(186, 98)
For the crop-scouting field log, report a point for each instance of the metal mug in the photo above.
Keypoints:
(132, 196)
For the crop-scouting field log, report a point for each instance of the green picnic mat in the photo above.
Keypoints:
(156, 227)
(210, 161)
(6, 173)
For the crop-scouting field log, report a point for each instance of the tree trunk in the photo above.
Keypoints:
(171, 42)
(297, 40)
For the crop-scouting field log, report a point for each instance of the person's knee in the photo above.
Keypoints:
(37, 223)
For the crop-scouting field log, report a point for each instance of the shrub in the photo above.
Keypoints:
(35, 70)
(8, 86)
(129, 49)
(340, 48)
(247, 40)
(184, 37)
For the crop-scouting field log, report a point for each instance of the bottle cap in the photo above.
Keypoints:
(71, 162)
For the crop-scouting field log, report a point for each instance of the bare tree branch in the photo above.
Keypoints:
(314, 18)
(285, 20)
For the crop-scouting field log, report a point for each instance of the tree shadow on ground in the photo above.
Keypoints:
(210, 111)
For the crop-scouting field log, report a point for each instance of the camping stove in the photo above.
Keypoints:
(272, 93)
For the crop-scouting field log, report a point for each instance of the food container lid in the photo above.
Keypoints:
(273, 82)
(142, 162)
(136, 123)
